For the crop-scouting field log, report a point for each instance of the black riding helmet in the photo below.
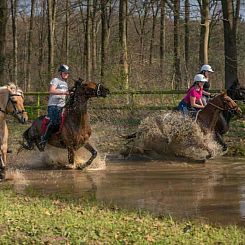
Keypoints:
(64, 68)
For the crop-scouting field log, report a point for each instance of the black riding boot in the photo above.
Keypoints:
(46, 136)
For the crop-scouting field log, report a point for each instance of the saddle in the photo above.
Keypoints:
(45, 121)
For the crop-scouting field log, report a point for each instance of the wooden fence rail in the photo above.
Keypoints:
(129, 104)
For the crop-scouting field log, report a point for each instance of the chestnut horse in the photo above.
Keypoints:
(75, 130)
(12, 103)
(235, 92)
(206, 118)
(209, 115)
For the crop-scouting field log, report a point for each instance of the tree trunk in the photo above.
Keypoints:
(162, 36)
(154, 19)
(94, 39)
(103, 39)
(14, 5)
(29, 51)
(41, 40)
(177, 72)
(87, 43)
(67, 32)
(3, 23)
(230, 18)
(187, 40)
(204, 33)
(123, 42)
(51, 5)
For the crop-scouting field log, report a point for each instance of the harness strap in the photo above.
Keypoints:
(197, 115)
(3, 111)
(218, 107)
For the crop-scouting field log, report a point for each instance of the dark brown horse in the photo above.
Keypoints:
(235, 92)
(76, 129)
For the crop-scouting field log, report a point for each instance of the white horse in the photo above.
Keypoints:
(11, 103)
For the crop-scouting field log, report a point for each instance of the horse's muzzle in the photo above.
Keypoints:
(239, 111)
(103, 92)
(22, 118)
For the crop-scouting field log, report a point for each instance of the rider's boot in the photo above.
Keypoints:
(46, 136)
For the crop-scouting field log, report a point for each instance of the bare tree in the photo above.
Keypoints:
(103, 38)
(177, 72)
(14, 6)
(142, 9)
(154, 9)
(41, 40)
(51, 6)
(123, 9)
(3, 23)
(204, 32)
(187, 38)
(231, 11)
(67, 31)
(87, 50)
(162, 34)
(29, 51)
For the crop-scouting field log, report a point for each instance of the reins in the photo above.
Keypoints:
(220, 108)
(216, 106)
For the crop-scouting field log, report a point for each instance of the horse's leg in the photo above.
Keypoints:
(2, 165)
(90, 160)
(4, 146)
(3, 157)
(220, 140)
(71, 156)
(27, 143)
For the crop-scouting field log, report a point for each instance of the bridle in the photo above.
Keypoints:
(223, 109)
(96, 91)
(15, 112)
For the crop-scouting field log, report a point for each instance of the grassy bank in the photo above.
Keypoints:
(33, 219)
(235, 138)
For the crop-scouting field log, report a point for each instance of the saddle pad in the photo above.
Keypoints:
(44, 124)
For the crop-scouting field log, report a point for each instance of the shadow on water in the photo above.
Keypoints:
(213, 192)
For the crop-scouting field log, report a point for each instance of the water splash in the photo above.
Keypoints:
(171, 134)
(56, 158)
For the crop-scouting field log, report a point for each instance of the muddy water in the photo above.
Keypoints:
(213, 192)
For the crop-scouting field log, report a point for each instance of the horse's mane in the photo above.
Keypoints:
(13, 88)
(10, 86)
(72, 90)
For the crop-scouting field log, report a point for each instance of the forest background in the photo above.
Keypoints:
(126, 44)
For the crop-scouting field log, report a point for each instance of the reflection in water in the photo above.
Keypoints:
(213, 192)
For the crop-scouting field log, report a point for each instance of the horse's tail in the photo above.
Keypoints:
(26, 143)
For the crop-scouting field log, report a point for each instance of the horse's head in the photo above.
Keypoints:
(225, 103)
(15, 104)
(236, 91)
(90, 89)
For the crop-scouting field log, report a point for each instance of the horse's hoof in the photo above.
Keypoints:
(224, 148)
(208, 156)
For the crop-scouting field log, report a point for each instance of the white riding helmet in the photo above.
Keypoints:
(200, 78)
(207, 68)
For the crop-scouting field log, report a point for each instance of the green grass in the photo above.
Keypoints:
(236, 138)
(34, 219)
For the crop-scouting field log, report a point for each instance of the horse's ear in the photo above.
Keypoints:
(224, 93)
(236, 82)
(81, 80)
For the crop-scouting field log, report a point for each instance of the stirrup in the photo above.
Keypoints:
(42, 144)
